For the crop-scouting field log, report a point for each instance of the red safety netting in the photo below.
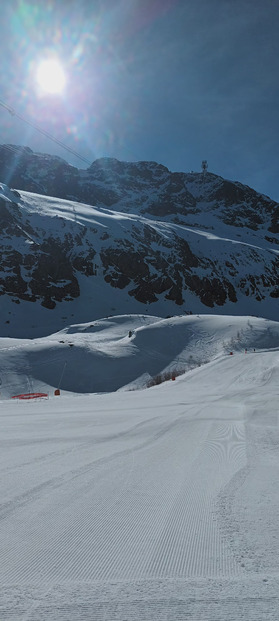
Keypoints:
(31, 395)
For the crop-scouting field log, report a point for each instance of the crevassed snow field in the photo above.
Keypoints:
(158, 503)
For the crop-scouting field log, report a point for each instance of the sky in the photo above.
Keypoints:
(172, 81)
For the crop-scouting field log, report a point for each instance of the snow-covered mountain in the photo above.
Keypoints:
(161, 503)
(125, 237)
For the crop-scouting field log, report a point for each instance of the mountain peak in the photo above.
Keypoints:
(130, 237)
(113, 165)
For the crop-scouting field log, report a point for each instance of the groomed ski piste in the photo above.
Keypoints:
(122, 502)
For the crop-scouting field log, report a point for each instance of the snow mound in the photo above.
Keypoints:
(125, 352)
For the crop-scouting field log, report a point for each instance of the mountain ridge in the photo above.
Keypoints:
(155, 242)
(108, 180)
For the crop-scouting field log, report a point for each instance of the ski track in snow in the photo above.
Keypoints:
(129, 507)
(144, 601)
(143, 511)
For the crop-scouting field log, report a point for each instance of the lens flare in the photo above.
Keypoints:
(50, 76)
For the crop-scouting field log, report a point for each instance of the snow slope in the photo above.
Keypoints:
(151, 504)
(101, 356)
(61, 259)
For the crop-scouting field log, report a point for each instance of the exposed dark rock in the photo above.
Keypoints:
(129, 263)
(157, 254)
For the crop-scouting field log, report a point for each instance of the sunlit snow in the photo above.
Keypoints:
(145, 503)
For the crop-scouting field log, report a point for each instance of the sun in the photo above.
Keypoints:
(50, 76)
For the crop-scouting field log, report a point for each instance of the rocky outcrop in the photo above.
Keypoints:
(145, 188)
(158, 237)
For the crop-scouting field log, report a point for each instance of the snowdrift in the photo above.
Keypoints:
(125, 352)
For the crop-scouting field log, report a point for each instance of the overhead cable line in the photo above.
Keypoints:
(10, 147)
(43, 132)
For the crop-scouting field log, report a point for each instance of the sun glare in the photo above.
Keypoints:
(51, 78)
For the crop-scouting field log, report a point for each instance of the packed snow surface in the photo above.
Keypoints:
(158, 503)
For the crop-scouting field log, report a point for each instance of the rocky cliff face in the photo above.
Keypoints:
(145, 188)
(155, 241)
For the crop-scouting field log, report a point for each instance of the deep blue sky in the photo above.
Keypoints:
(175, 81)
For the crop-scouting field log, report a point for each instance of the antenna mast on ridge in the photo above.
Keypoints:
(204, 167)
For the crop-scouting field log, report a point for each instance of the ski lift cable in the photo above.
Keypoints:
(43, 132)
(10, 147)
